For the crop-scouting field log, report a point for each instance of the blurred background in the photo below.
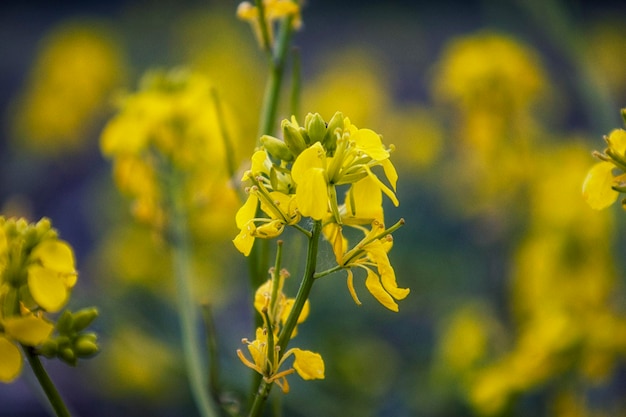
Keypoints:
(517, 303)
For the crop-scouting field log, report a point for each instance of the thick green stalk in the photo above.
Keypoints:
(46, 383)
(187, 308)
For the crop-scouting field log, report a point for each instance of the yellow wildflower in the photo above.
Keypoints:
(601, 186)
(309, 365)
(371, 253)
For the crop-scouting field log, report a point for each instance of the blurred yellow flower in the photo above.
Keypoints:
(171, 128)
(273, 10)
(79, 65)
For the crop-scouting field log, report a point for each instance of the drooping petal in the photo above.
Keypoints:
(49, 288)
(309, 365)
(29, 330)
(245, 239)
(378, 254)
(372, 282)
(351, 287)
(597, 190)
(390, 172)
(383, 187)
(333, 233)
(10, 360)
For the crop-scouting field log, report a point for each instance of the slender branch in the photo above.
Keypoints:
(187, 311)
(46, 383)
(285, 334)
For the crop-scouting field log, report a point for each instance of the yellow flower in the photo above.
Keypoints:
(171, 128)
(51, 274)
(601, 186)
(318, 170)
(309, 365)
(371, 253)
(28, 329)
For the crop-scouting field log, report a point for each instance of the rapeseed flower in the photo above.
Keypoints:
(273, 10)
(606, 179)
(37, 274)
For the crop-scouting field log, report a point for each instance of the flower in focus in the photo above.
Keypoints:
(602, 186)
(274, 10)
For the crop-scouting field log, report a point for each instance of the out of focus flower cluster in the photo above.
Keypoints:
(37, 274)
(303, 175)
(607, 178)
(171, 130)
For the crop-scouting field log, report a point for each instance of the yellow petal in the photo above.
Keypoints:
(390, 173)
(333, 233)
(247, 212)
(259, 159)
(309, 365)
(372, 282)
(351, 287)
(56, 255)
(365, 200)
(313, 157)
(378, 254)
(597, 190)
(29, 330)
(48, 288)
(245, 239)
(312, 194)
(370, 143)
(383, 187)
(10, 360)
(617, 141)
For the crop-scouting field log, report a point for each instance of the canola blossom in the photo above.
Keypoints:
(607, 178)
(305, 175)
(37, 272)
(267, 359)
(170, 130)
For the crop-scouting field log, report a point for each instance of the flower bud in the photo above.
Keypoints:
(86, 345)
(316, 127)
(65, 324)
(49, 348)
(330, 138)
(293, 138)
(68, 356)
(84, 318)
(277, 148)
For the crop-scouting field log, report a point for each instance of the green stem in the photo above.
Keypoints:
(285, 334)
(187, 312)
(274, 83)
(46, 383)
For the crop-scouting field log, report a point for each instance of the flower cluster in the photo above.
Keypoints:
(304, 175)
(171, 129)
(606, 179)
(37, 274)
(267, 359)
